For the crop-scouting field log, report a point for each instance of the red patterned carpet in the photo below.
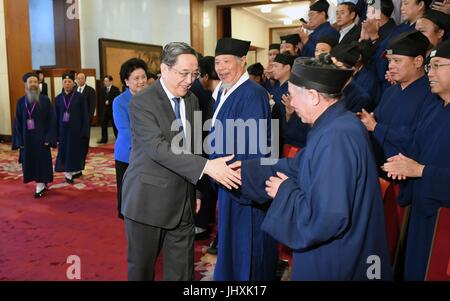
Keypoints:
(38, 235)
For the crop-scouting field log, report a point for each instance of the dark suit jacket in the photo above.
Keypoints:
(91, 98)
(352, 35)
(159, 183)
(113, 93)
(44, 90)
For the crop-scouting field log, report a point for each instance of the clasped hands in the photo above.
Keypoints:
(229, 175)
(400, 167)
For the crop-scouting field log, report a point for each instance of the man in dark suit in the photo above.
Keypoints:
(107, 95)
(346, 14)
(42, 85)
(158, 193)
(88, 93)
(91, 98)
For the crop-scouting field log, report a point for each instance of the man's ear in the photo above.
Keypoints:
(314, 96)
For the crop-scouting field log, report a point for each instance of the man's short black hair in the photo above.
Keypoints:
(256, 69)
(108, 77)
(206, 66)
(351, 8)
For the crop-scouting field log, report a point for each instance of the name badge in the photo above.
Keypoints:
(30, 124)
(66, 117)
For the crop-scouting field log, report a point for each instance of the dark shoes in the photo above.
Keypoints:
(70, 181)
(40, 194)
(77, 175)
(202, 235)
(101, 141)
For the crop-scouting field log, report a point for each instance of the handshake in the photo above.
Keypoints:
(230, 175)
(227, 175)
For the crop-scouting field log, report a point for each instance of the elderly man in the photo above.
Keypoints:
(326, 201)
(158, 195)
(244, 251)
(426, 167)
(73, 129)
(34, 134)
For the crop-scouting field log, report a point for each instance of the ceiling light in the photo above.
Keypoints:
(266, 9)
(287, 21)
(277, 0)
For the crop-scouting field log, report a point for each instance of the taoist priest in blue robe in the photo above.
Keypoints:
(393, 123)
(326, 201)
(34, 134)
(73, 126)
(426, 165)
(244, 251)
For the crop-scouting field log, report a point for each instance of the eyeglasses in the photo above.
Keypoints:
(434, 66)
(184, 75)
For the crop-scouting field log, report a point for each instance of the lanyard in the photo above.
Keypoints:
(70, 101)
(26, 106)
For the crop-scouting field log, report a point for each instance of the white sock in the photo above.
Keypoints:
(68, 175)
(39, 187)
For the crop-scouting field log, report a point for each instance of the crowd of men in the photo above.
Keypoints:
(356, 100)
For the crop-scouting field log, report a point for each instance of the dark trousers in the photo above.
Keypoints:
(207, 213)
(121, 167)
(145, 242)
(106, 117)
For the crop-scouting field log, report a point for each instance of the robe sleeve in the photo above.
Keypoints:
(304, 217)
(50, 136)
(437, 180)
(254, 175)
(394, 139)
(18, 127)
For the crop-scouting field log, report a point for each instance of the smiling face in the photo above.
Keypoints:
(137, 80)
(179, 77)
(439, 77)
(229, 68)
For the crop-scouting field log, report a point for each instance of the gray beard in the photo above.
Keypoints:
(226, 86)
(33, 96)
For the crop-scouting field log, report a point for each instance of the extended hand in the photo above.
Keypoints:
(367, 119)
(400, 167)
(273, 184)
(222, 173)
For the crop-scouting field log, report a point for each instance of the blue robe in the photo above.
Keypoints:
(366, 79)
(294, 131)
(245, 252)
(397, 116)
(330, 210)
(71, 134)
(35, 157)
(431, 148)
(324, 29)
(355, 98)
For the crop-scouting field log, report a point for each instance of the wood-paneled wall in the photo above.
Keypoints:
(197, 25)
(18, 48)
(67, 37)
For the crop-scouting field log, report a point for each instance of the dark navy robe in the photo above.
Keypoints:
(324, 29)
(355, 98)
(330, 210)
(35, 156)
(397, 116)
(72, 134)
(431, 148)
(245, 252)
(366, 79)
